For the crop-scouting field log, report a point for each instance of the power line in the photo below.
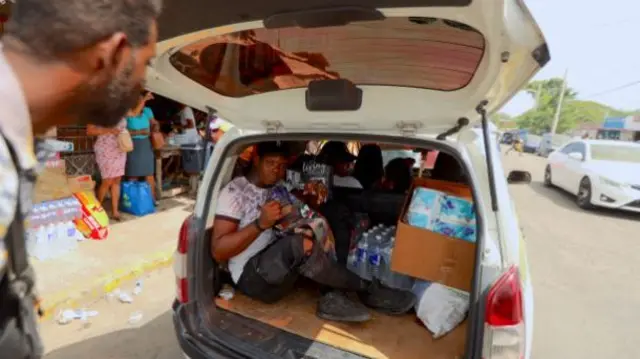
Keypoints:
(615, 89)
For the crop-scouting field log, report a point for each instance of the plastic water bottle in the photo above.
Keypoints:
(362, 264)
(71, 236)
(374, 257)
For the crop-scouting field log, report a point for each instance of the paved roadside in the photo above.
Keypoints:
(133, 248)
(584, 269)
(113, 333)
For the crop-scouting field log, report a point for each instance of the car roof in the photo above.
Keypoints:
(611, 143)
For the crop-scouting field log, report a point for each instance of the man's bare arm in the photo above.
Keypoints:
(229, 240)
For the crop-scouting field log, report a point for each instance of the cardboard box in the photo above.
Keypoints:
(432, 256)
(52, 182)
(81, 184)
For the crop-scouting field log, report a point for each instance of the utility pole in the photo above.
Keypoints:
(556, 118)
(538, 92)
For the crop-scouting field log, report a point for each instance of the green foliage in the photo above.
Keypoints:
(573, 113)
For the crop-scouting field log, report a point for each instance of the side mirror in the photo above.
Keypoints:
(576, 156)
(519, 177)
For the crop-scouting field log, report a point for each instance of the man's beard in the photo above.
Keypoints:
(106, 105)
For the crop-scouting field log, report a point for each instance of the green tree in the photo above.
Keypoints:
(574, 112)
(546, 93)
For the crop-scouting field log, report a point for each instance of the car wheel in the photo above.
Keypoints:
(584, 194)
(547, 177)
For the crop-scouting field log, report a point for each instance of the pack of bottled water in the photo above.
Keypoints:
(51, 232)
(371, 258)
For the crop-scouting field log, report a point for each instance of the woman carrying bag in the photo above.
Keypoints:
(144, 130)
(111, 149)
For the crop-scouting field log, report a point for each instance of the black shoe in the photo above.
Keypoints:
(387, 300)
(337, 307)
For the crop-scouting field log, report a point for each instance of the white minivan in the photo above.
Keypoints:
(414, 73)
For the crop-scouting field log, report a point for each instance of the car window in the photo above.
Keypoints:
(415, 52)
(581, 148)
(389, 155)
(618, 153)
(569, 148)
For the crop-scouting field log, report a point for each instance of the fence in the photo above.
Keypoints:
(82, 160)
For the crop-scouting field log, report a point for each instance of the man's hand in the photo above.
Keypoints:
(270, 214)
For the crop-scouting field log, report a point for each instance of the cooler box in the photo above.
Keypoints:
(192, 158)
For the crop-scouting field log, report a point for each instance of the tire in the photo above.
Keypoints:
(583, 199)
(547, 177)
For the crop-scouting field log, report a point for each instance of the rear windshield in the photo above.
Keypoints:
(411, 52)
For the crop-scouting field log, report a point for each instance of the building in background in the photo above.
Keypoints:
(620, 128)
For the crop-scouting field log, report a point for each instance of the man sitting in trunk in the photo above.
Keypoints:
(265, 263)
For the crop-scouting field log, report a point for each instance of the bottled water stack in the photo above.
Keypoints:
(52, 232)
(372, 258)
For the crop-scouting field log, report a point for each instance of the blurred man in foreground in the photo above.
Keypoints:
(61, 63)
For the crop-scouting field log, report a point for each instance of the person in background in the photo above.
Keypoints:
(111, 162)
(518, 146)
(189, 133)
(447, 168)
(61, 63)
(369, 169)
(397, 175)
(337, 155)
(141, 161)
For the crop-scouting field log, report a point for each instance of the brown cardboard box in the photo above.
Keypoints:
(81, 183)
(52, 183)
(432, 256)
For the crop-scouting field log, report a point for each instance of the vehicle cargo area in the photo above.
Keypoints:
(400, 218)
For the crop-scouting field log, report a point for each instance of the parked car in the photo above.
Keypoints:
(551, 143)
(532, 143)
(602, 173)
(413, 72)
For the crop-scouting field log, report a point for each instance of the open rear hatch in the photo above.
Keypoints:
(402, 67)
(433, 61)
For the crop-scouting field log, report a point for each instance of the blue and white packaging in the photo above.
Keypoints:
(461, 231)
(423, 207)
(442, 213)
(456, 210)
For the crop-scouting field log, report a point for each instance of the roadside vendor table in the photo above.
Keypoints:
(166, 156)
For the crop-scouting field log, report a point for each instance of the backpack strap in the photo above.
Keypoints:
(22, 275)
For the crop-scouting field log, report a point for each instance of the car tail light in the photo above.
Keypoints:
(504, 335)
(180, 263)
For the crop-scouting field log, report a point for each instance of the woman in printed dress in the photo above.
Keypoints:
(111, 162)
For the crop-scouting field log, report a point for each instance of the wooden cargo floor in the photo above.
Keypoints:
(383, 337)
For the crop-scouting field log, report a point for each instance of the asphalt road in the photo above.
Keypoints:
(585, 270)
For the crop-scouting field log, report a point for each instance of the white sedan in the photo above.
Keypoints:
(599, 172)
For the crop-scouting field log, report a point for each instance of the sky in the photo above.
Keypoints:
(598, 41)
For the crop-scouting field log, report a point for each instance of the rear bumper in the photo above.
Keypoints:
(188, 348)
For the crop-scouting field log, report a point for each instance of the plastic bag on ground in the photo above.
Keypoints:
(136, 198)
(440, 308)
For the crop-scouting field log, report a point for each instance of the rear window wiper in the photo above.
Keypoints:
(462, 122)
